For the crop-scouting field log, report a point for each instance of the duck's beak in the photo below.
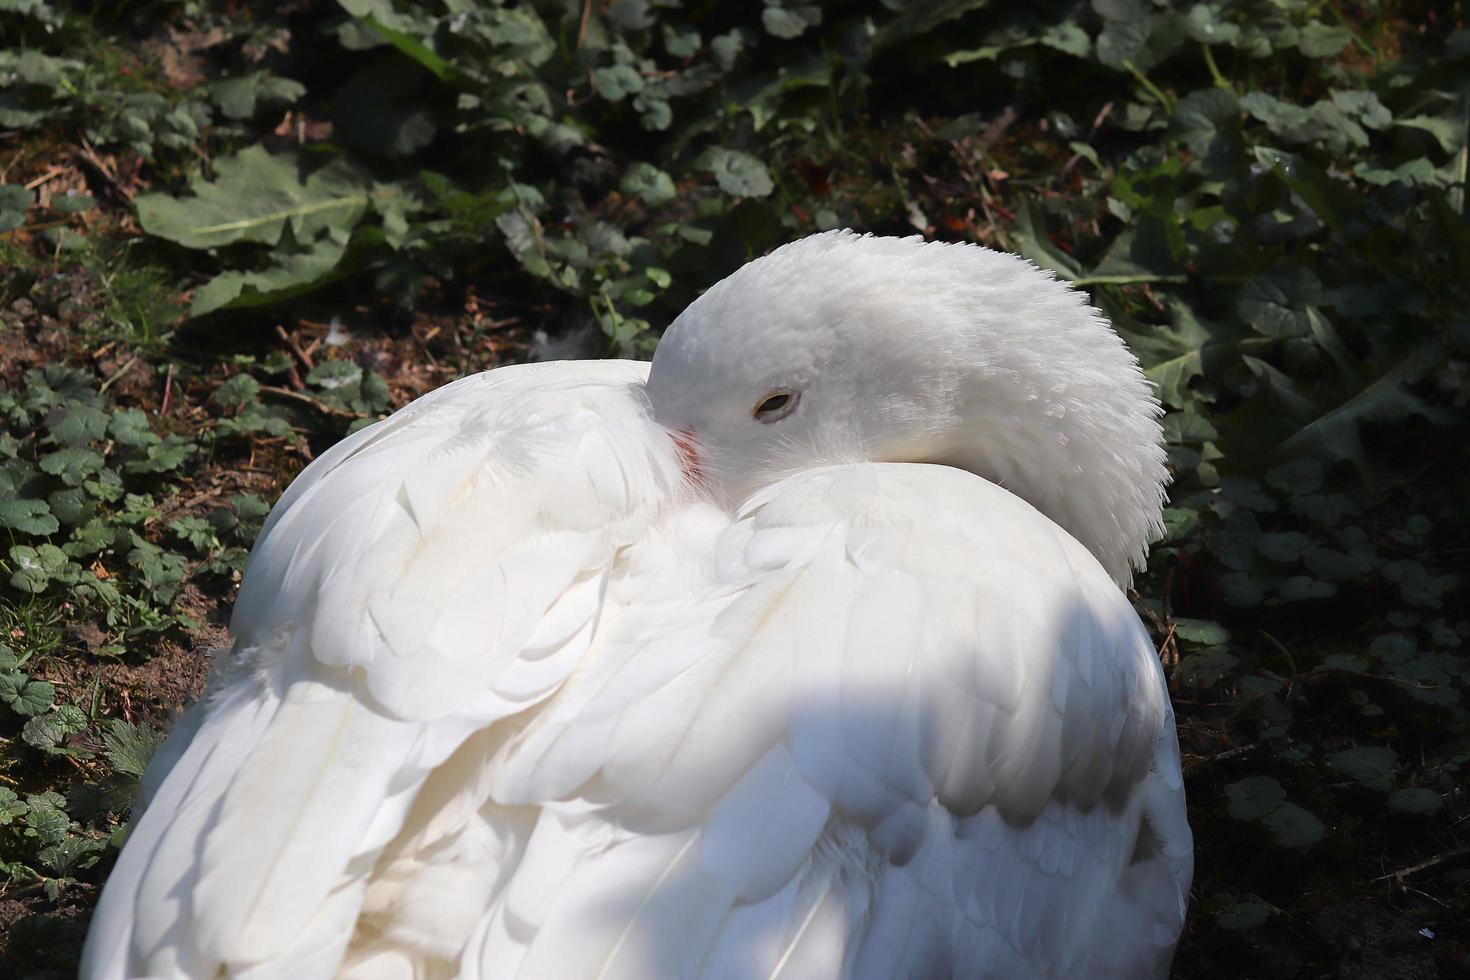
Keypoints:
(690, 461)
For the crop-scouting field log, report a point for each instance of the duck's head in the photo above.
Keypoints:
(844, 348)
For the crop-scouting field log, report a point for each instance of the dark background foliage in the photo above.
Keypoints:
(230, 232)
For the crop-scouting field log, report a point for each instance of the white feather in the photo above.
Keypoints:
(509, 695)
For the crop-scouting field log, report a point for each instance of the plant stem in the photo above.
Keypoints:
(1152, 89)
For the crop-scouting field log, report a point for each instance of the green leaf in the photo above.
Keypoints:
(1449, 133)
(617, 82)
(72, 854)
(72, 465)
(27, 516)
(1202, 116)
(72, 203)
(129, 747)
(161, 571)
(33, 569)
(1416, 800)
(1319, 40)
(680, 41)
(789, 22)
(1301, 427)
(30, 697)
(1243, 915)
(1292, 826)
(739, 174)
(1279, 303)
(167, 454)
(129, 427)
(11, 806)
(1371, 765)
(1298, 588)
(237, 392)
(1203, 23)
(291, 273)
(254, 197)
(648, 182)
(1176, 355)
(48, 824)
(1067, 37)
(196, 531)
(1255, 797)
(49, 730)
(1205, 668)
(14, 200)
(1200, 631)
(76, 423)
(413, 48)
(1030, 235)
(241, 98)
(1364, 106)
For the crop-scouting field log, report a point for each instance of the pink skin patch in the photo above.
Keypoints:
(687, 444)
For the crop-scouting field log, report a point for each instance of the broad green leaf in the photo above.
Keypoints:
(739, 174)
(291, 273)
(650, 183)
(1205, 668)
(1449, 133)
(167, 454)
(77, 423)
(1030, 235)
(47, 731)
(31, 697)
(27, 516)
(1204, 23)
(130, 747)
(1292, 826)
(1278, 303)
(129, 427)
(11, 806)
(680, 41)
(789, 22)
(412, 47)
(1371, 765)
(242, 97)
(1176, 355)
(47, 824)
(1298, 426)
(1200, 631)
(1364, 106)
(1201, 116)
(237, 392)
(1243, 915)
(33, 569)
(918, 18)
(1255, 797)
(14, 200)
(255, 195)
(617, 82)
(1319, 40)
(71, 465)
(72, 854)
(1417, 800)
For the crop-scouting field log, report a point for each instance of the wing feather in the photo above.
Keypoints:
(900, 724)
(424, 579)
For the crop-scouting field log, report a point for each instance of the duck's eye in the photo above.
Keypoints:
(776, 406)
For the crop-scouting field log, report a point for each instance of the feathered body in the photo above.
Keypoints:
(511, 695)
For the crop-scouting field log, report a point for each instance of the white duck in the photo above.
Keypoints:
(838, 681)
